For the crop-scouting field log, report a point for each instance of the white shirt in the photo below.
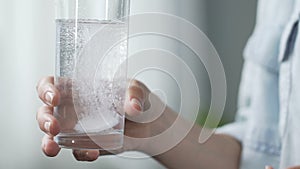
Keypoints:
(268, 117)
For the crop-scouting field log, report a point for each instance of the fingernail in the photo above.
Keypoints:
(49, 98)
(47, 126)
(136, 104)
(268, 167)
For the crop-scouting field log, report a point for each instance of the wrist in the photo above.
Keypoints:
(154, 129)
(140, 130)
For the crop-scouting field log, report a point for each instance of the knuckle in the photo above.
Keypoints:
(39, 111)
(140, 85)
(39, 116)
(43, 110)
(40, 83)
(135, 82)
(137, 92)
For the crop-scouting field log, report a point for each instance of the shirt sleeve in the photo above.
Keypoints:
(263, 47)
(258, 94)
(256, 124)
(257, 120)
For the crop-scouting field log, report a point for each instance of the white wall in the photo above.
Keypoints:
(230, 23)
(193, 11)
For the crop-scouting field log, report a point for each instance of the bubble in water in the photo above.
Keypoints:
(90, 75)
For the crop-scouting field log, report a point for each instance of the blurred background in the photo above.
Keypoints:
(27, 53)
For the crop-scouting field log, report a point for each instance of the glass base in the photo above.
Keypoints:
(101, 141)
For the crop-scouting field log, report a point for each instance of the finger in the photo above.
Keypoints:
(50, 147)
(268, 167)
(136, 97)
(296, 167)
(47, 122)
(47, 91)
(86, 155)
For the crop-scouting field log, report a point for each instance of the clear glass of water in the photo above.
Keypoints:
(91, 72)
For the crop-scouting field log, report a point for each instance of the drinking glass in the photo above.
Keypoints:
(91, 72)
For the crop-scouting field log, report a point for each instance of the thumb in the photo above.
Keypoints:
(135, 98)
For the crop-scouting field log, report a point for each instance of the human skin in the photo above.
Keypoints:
(220, 151)
(270, 167)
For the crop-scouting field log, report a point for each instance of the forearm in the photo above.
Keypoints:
(220, 151)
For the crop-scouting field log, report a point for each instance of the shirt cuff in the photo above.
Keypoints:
(235, 130)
